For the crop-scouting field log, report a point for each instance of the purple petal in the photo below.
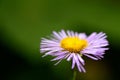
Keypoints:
(73, 62)
(79, 66)
(58, 62)
(59, 57)
(56, 35)
(80, 59)
(82, 36)
(94, 58)
(63, 34)
(60, 53)
(69, 58)
(91, 37)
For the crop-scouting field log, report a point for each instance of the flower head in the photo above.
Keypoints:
(71, 45)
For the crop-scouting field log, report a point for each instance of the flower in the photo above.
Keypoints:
(71, 45)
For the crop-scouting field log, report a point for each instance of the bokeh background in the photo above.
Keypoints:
(24, 22)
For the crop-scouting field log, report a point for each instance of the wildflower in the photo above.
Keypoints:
(71, 45)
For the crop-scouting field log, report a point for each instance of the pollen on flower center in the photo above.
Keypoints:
(73, 44)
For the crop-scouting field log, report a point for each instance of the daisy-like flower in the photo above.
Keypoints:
(72, 46)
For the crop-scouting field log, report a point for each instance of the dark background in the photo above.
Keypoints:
(24, 22)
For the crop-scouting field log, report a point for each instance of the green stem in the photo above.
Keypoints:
(74, 74)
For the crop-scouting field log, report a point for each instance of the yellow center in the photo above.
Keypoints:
(73, 44)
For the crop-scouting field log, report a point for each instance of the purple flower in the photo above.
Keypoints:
(71, 45)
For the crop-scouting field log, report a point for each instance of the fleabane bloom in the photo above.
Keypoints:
(72, 46)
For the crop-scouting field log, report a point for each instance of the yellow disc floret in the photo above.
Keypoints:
(73, 44)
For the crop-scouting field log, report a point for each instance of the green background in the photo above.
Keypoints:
(24, 22)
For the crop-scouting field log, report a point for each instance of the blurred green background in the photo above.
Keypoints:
(24, 22)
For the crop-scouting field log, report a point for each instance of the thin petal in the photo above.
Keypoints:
(56, 35)
(94, 58)
(80, 59)
(58, 57)
(58, 62)
(69, 58)
(91, 37)
(73, 62)
(63, 34)
(79, 66)
(82, 36)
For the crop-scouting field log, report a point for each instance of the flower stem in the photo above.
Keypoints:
(74, 74)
